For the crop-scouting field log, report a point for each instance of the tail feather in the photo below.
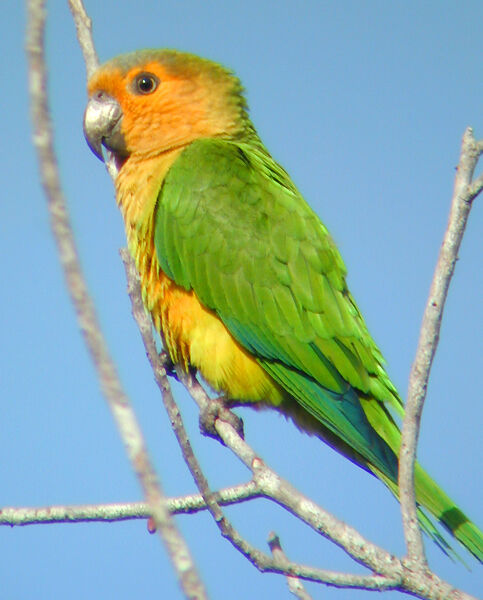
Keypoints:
(433, 502)
(432, 498)
(440, 505)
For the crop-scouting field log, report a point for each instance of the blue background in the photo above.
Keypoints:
(364, 103)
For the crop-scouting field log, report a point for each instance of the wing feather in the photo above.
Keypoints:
(231, 226)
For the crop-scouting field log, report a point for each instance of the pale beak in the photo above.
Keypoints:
(102, 125)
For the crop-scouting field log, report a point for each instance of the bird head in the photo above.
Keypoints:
(152, 101)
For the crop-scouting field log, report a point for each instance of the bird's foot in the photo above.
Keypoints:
(217, 409)
(168, 365)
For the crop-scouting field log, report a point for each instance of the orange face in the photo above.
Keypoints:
(163, 109)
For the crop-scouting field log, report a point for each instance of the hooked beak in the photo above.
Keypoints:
(102, 126)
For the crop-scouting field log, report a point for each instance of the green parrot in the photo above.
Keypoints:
(238, 273)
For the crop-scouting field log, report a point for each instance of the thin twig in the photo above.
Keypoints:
(294, 583)
(83, 26)
(121, 511)
(476, 186)
(88, 322)
(463, 196)
(145, 328)
(144, 324)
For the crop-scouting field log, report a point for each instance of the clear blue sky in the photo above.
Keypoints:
(364, 103)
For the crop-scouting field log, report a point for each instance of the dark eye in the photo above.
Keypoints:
(145, 83)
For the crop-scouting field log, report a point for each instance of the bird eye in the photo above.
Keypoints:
(145, 83)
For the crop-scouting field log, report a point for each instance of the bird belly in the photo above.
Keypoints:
(196, 337)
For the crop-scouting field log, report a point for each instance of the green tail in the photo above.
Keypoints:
(379, 456)
(432, 498)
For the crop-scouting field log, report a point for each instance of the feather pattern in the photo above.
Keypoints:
(293, 313)
(273, 277)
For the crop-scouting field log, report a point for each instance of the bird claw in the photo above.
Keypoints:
(217, 409)
(168, 365)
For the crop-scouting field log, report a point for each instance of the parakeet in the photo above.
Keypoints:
(238, 273)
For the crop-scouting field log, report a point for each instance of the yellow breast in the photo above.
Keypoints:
(194, 335)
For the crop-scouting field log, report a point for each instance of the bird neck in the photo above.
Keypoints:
(137, 187)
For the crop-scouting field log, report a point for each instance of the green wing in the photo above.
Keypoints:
(231, 226)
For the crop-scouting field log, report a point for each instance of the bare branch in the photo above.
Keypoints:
(476, 186)
(121, 511)
(144, 324)
(83, 25)
(391, 572)
(109, 381)
(276, 488)
(294, 583)
(463, 195)
(142, 320)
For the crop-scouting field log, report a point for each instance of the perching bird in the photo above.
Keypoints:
(237, 271)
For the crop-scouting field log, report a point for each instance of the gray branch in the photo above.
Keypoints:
(121, 511)
(389, 571)
(294, 584)
(83, 26)
(463, 195)
(109, 381)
